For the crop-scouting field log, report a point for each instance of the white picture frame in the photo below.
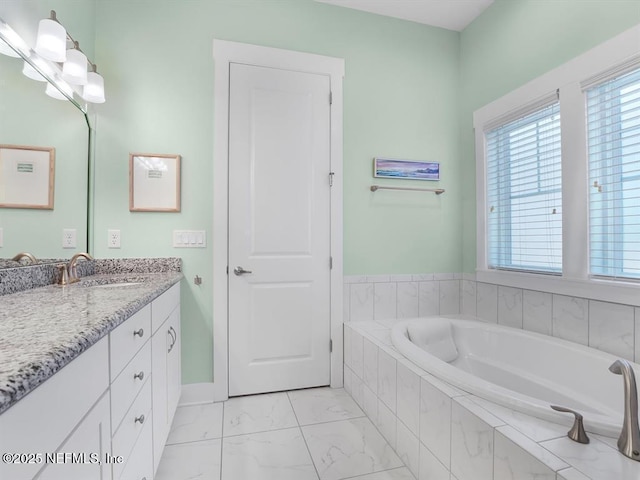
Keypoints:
(27, 177)
(154, 182)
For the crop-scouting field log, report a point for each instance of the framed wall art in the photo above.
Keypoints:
(154, 182)
(405, 169)
(26, 176)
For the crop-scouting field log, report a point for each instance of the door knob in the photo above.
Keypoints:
(241, 271)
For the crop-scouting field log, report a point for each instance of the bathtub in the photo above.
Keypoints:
(520, 370)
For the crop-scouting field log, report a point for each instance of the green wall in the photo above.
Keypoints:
(410, 91)
(400, 101)
(511, 43)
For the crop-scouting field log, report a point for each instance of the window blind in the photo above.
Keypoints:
(613, 132)
(524, 194)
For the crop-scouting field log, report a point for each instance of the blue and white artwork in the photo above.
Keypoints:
(408, 169)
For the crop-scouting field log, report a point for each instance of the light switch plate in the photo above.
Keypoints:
(189, 239)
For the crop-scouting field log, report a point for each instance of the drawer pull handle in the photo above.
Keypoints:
(138, 332)
(138, 375)
(174, 337)
(139, 419)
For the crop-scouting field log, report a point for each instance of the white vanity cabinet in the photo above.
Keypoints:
(117, 399)
(69, 410)
(166, 381)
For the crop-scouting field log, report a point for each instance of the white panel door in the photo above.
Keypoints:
(279, 218)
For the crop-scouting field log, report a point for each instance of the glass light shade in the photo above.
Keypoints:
(74, 70)
(5, 49)
(32, 73)
(53, 92)
(51, 42)
(93, 91)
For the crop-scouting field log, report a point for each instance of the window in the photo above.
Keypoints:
(613, 131)
(524, 196)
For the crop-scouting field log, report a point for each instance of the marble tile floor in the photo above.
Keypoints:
(313, 434)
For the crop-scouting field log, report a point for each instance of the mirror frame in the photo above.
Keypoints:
(15, 41)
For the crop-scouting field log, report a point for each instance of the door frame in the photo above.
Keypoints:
(225, 53)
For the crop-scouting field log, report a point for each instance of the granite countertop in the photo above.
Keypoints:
(43, 329)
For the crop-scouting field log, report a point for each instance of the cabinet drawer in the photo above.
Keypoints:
(127, 339)
(133, 423)
(162, 306)
(126, 387)
(139, 465)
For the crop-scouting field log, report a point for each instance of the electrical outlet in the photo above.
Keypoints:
(113, 238)
(69, 238)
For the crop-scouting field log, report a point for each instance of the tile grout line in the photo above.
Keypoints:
(304, 439)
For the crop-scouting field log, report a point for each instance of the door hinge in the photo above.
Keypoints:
(330, 263)
(331, 174)
(227, 269)
(330, 345)
(330, 98)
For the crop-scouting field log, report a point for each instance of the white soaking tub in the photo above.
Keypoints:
(521, 370)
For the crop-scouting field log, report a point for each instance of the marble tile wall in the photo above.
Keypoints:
(383, 297)
(442, 433)
(610, 327)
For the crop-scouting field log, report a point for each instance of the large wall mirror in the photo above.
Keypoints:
(31, 120)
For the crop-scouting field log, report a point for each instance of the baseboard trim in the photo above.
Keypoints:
(197, 394)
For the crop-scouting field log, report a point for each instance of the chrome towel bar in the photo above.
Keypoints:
(437, 191)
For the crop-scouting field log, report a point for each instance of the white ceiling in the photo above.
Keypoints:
(449, 14)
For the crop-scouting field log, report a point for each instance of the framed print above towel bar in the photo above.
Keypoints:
(405, 169)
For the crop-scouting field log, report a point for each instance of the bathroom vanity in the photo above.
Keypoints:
(89, 377)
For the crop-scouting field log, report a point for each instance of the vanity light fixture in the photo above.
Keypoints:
(51, 36)
(51, 42)
(30, 72)
(93, 91)
(54, 92)
(74, 70)
(5, 49)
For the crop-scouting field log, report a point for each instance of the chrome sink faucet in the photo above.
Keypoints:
(71, 267)
(629, 441)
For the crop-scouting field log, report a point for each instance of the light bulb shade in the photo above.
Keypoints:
(51, 42)
(93, 91)
(74, 70)
(54, 92)
(32, 73)
(5, 49)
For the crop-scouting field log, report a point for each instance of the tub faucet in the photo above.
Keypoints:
(71, 267)
(629, 441)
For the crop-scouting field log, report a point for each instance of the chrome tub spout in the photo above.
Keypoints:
(629, 441)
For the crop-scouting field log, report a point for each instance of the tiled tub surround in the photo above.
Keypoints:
(377, 297)
(443, 433)
(610, 327)
(43, 329)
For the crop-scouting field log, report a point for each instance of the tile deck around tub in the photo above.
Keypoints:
(312, 434)
(460, 436)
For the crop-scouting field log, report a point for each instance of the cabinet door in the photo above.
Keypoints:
(84, 455)
(159, 346)
(174, 365)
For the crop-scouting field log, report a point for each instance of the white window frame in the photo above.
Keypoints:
(568, 80)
